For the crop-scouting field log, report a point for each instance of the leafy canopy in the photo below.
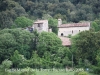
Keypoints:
(23, 22)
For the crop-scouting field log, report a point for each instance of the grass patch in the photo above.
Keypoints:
(30, 71)
(54, 73)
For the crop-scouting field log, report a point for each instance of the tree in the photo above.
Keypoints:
(53, 23)
(9, 11)
(98, 59)
(86, 46)
(7, 19)
(48, 42)
(17, 59)
(7, 41)
(35, 61)
(46, 16)
(64, 55)
(6, 64)
(95, 26)
(23, 22)
(63, 17)
(15, 39)
(47, 48)
(35, 39)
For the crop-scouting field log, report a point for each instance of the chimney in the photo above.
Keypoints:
(59, 22)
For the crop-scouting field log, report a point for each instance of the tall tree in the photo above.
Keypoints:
(86, 46)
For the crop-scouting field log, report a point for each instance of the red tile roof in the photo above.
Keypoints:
(65, 41)
(83, 24)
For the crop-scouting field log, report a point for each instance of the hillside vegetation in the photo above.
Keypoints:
(20, 48)
(68, 10)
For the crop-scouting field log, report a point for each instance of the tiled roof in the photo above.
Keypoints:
(83, 24)
(41, 21)
(65, 41)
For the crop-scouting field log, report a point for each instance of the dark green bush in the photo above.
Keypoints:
(76, 73)
(96, 70)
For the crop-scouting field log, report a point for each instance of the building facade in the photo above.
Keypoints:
(72, 28)
(41, 25)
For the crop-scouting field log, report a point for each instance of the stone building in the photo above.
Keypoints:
(72, 28)
(41, 25)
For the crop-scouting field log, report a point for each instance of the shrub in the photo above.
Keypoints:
(28, 72)
(6, 64)
(76, 73)
(81, 73)
(96, 70)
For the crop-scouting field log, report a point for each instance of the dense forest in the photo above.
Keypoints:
(68, 10)
(24, 48)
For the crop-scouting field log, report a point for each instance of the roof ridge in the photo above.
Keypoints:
(83, 24)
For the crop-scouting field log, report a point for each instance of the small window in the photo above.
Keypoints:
(62, 34)
(72, 31)
(38, 25)
(79, 30)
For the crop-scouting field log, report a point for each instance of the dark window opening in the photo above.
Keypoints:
(61, 34)
(72, 31)
(38, 25)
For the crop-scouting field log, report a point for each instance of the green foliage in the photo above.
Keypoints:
(23, 22)
(83, 73)
(49, 48)
(10, 10)
(53, 23)
(70, 10)
(69, 36)
(55, 72)
(7, 41)
(45, 49)
(76, 73)
(95, 26)
(46, 16)
(96, 69)
(48, 42)
(6, 64)
(86, 46)
(15, 39)
(63, 17)
(35, 61)
(17, 59)
(40, 50)
(28, 72)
